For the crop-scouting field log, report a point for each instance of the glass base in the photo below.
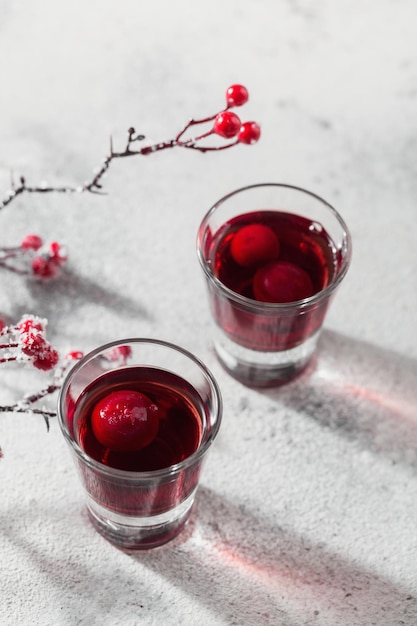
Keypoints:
(254, 368)
(139, 533)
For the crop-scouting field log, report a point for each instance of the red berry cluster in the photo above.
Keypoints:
(33, 257)
(33, 343)
(228, 125)
(26, 341)
(47, 263)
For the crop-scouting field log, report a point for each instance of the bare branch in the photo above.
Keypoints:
(94, 185)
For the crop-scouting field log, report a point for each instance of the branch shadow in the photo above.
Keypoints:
(249, 570)
(361, 392)
(67, 574)
(243, 568)
(70, 290)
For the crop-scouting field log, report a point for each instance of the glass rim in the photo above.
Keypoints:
(135, 476)
(274, 306)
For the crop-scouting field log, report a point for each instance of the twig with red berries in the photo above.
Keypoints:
(26, 343)
(33, 258)
(225, 124)
(26, 404)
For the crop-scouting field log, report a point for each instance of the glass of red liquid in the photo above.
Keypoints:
(139, 416)
(273, 256)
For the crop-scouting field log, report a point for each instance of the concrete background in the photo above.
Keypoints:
(307, 509)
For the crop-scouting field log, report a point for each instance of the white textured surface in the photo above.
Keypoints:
(308, 505)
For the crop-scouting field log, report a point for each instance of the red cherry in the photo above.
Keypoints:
(125, 421)
(254, 244)
(249, 133)
(236, 95)
(227, 124)
(282, 281)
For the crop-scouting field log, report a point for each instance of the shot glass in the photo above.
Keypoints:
(140, 496)
(269, 287)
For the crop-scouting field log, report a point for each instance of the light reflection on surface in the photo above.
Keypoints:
(362, 392)
(395, 404)
(282, 577)
(392, 401)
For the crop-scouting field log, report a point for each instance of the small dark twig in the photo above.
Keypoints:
(16, 408)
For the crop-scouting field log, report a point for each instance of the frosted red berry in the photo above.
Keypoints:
(236, 95)
(282, 281)
(33, 343)
(249, 133)
(31, 242)
(47, 359)
(254, 244)
(31, 324)
(125, 421)
(227, 124)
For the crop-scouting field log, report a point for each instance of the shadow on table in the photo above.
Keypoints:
(268, 575)
(244, 569)
(249, 570)
(361, 392)
(71, 289)
(80, 577)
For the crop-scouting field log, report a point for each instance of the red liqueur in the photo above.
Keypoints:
(177, 419)
(170, 434)
(273, 258)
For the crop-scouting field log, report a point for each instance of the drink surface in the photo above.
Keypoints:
(302, 243)
(180, 410)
